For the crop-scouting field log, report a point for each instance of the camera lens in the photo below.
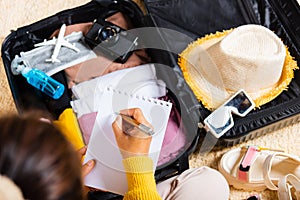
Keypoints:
(107, 33)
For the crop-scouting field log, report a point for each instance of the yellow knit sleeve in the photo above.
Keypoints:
(140, 178)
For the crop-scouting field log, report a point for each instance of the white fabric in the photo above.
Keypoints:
(195, 183)
(138, 81)
(120, 79)
(36, 58)
(85, 105)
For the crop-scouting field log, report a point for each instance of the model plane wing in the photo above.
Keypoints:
(67, 44)
(46, 43)
(58, 43)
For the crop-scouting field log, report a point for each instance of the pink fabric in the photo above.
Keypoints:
(86, 123)
(174, 140)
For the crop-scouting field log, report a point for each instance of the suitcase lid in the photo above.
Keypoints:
(197, 18)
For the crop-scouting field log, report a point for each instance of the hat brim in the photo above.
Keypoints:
(212, 96)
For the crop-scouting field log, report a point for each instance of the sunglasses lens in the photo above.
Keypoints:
(240, 102)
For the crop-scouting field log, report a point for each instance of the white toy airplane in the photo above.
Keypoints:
(59, 42)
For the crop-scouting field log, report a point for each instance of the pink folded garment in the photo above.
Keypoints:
(86, 123)
(174, 140)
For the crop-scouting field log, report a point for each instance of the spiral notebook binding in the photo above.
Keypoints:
(144, 98)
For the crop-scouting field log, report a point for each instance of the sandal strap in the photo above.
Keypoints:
(248, 159)
(268, 165)
(284, 187)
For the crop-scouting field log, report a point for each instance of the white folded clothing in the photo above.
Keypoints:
(85, 105)
(120, 79)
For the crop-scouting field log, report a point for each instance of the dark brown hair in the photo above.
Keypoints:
(36, 156)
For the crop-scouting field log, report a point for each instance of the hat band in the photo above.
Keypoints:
(255, 94)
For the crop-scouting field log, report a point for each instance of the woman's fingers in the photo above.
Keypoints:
(82, 151)
(87, 167)
(137, 114)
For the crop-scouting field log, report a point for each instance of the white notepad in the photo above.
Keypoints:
(109, 173)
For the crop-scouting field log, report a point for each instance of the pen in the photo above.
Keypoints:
(128, 124)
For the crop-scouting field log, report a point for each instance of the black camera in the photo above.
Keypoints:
(111, 40)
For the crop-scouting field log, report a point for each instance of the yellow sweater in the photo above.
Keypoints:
(140, 178)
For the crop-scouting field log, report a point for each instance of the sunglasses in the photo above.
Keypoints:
(221, 120)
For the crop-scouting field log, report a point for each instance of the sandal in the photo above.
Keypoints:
(286, 185)
(256, 168)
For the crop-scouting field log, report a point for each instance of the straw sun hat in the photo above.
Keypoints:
(249, 57)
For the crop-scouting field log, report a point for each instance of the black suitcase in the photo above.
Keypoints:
(191, 19)
(28, 98)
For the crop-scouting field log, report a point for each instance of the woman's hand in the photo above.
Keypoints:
(87, 167)
(135, 144)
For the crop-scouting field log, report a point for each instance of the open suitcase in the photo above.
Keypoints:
(193, 19)
(28, 98)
